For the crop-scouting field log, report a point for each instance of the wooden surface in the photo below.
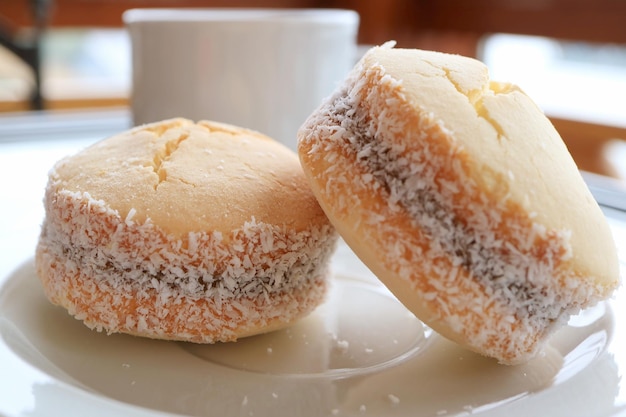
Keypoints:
(458, 25)
(64, 104)
(108, 13)
(591, 144)
(589, 20)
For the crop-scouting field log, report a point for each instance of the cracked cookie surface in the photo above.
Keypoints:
(169, 171)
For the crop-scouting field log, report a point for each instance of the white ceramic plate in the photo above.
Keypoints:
(360, 354)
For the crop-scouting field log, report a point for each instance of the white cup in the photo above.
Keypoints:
(263, 69)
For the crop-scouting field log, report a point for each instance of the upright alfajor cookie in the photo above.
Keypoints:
(461, 196)
(177, 230)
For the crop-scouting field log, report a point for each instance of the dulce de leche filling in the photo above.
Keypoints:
(259, 272)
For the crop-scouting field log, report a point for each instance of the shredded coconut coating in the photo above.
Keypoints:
(489, 276)
(118, 275)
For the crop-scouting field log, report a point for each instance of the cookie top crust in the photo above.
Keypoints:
(188, 177)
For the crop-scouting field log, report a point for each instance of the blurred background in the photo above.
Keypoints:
(569, 55)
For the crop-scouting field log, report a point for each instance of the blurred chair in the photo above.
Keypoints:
(28, 47)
